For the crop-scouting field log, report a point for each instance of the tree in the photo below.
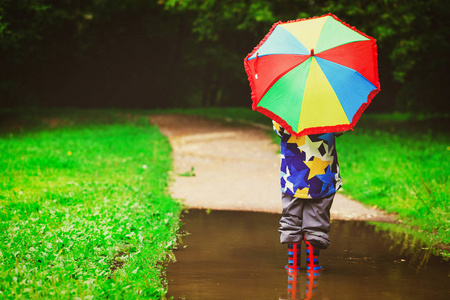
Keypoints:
(87, 52)
(408, 32)
(190, 52)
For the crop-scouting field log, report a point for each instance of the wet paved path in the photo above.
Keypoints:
(236, 168)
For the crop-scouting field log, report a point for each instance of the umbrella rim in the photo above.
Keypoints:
(321, 129)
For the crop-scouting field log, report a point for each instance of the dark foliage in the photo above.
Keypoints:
(148, 54)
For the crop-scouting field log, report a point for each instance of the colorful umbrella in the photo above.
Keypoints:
(313, 75)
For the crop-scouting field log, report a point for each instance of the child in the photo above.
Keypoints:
(309, 180)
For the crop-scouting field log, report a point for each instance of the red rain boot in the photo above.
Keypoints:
(312, 260)
(293, 257)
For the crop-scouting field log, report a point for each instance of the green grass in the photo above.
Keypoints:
(84, 211)
(397, 162)
(401, 166)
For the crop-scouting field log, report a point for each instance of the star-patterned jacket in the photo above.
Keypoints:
(309, 165)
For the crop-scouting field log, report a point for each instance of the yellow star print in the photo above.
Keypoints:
(317, 167)
(302, 193)
(300, 141)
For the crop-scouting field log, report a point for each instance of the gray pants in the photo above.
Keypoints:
(306, 218)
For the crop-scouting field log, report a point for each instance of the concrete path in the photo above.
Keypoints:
(223, 167)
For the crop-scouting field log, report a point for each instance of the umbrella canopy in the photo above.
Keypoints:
(313, 75)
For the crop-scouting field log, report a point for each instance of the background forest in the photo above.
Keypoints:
(189, 53)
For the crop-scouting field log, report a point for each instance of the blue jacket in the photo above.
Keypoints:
(309, 164)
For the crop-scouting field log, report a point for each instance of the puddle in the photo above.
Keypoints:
(237, 255)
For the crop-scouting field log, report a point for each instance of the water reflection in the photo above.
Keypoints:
(408, 240)
(237, 255)
(294, 285)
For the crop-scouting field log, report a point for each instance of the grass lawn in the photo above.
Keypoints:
(84, 212)
(396, 162)
(401, 166)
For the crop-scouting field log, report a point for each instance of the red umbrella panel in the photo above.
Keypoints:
(313, 75)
